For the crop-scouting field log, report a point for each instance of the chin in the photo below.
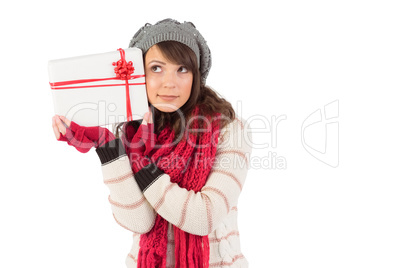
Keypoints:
(166, 110)
(166, 107)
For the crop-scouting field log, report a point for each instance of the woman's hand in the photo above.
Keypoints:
(142, 143)
(82, 138)
(148, 118)
(147, 132)
(60, 125)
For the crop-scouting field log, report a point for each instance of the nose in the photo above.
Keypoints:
(169, 79)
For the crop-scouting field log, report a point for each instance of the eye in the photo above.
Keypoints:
(182, 69)
(156, 69)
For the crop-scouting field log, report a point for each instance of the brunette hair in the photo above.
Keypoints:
(208, 101)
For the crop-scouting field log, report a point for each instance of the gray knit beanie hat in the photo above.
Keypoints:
(172, 30)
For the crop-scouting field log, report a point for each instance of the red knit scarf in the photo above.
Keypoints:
(188, 164)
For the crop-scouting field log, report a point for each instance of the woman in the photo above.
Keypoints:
(175, 177)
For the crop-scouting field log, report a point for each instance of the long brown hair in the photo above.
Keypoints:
(209, 102)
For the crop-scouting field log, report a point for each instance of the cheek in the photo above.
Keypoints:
(189, 85)
(151, 85)
(151, 80)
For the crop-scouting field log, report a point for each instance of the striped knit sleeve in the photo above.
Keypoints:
(130, 208)
(200, 213)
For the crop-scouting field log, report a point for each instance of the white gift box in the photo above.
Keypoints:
(87, 90)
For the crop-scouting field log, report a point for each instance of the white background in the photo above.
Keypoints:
(270, 58)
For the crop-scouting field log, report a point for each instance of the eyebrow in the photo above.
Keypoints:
(157, 61)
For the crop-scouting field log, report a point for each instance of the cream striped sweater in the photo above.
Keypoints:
(212, 211)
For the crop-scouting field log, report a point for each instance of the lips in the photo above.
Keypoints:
(167, 97)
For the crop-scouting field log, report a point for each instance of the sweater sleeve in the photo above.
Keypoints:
(130, 208)
(200, 213)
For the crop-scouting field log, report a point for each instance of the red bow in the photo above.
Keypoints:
(123, 71)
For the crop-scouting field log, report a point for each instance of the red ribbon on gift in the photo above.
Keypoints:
(123, 70)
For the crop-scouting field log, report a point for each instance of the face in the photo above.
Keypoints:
(168, 84)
